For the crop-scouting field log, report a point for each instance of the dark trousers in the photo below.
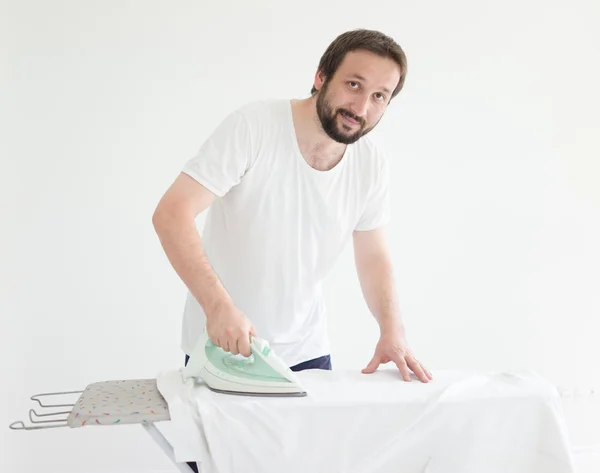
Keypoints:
(321, 363)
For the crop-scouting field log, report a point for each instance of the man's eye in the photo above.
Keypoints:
(352, 84)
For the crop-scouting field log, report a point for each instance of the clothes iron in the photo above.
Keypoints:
(263, 373)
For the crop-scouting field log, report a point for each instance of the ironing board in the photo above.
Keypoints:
(106, 403)
(433, 423)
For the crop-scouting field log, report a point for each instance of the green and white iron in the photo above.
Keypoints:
(263, 373)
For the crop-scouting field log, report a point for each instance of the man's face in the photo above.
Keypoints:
(352, 102)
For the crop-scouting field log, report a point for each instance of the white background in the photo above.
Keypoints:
(495, 162)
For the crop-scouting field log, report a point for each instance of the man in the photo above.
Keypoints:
(289, 183)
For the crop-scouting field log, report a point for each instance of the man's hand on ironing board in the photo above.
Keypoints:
(392, 346)
(375, 273)
(230, 329)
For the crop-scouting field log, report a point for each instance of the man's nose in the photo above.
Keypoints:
(359, 106)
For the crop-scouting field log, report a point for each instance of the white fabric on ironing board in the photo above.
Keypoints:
(355, 423)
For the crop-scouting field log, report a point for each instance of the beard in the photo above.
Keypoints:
(329, 121)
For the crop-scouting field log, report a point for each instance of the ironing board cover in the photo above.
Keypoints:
(114, 402)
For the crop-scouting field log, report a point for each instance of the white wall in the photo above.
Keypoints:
(494, 146)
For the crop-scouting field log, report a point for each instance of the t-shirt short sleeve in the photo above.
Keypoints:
(377, 209)
(224, 157)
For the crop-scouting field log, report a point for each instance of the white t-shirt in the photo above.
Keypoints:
(278, 225)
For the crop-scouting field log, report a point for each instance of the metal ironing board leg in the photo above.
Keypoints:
(165, 446)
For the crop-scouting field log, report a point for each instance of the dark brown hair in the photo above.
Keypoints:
(369, 40)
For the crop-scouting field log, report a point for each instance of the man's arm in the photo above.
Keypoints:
(175, 225)
(375, 273)
(174, 222)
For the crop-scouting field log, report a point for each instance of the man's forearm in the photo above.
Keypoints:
(377, 284)
(182, 244)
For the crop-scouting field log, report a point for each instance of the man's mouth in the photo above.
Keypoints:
(348, 119)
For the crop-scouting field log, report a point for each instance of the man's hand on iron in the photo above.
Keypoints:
(230, 329)
(392, 346)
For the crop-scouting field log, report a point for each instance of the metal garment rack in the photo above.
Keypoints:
(39, 421)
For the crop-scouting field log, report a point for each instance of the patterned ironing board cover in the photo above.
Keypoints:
(119, 402)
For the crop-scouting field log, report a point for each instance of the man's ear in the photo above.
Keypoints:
(319, 80)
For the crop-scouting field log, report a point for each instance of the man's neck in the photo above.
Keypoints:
(319, 151)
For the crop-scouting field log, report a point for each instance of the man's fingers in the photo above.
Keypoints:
(244, 346)
(416, 367)
(373, 364)
(425, 370)
(234, 345)
(402, 366)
